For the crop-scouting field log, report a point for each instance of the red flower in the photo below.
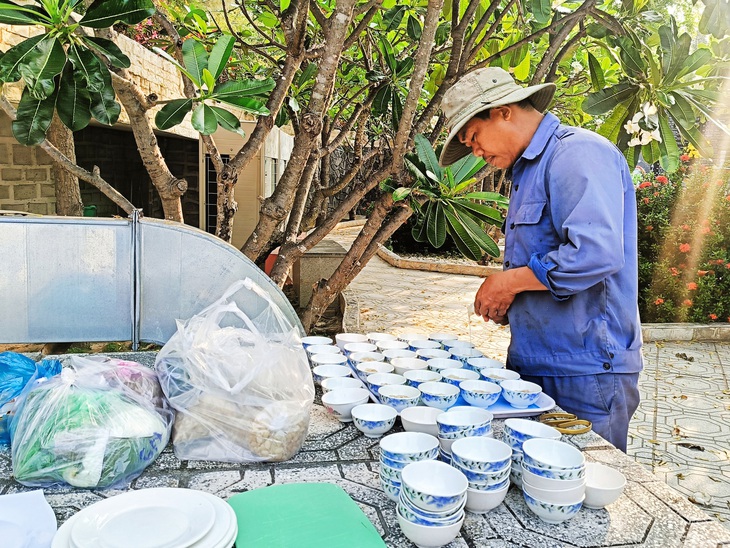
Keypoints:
(713, 316)
(649, 228)
(702, 272)
(675, 272)
(646, 200)
(684, 158)
(645, 184)
(727, 197)
(659, 301)
(684, 248)
(691, 286)
(662, 179)
(727, 266)
(685, 227)
(687, 302)
(706, 230)
(656, 194)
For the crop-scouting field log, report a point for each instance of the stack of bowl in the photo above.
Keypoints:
(399, 450)
(464, 422)
(315, 340)
(486, 463)
(482, 362)
(553, 479)
(431, 503)
(329, 365)
(517, 432)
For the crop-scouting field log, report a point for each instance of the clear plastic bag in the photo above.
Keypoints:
(85, 429)
(241, 387)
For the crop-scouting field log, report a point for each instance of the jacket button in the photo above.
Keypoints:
(512, 226)
(506, 264)
(606, 366)
(610, 354)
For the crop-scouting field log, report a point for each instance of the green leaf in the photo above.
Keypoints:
(393, 17)
(541, 10)
(715, 18)
(693, 135)
(243, 88)
(415, 170)
(307, 74)
(104, 13)
(600, 102)
(173, 113)
(284, 5)
(397, 109)
(195, 58)
(436, 226)
(631, 57)
(598, 80)
(249, 104)
(220, 54)
(611, 127)
(208, 80)
(669, 151)
(387, 52)
(419, 229)
(650, 152)
(227, 120)
(522, 70)
(666, 40)
(401, 193)
(109, 49)
(596, 30)
(204, 120)
(482, 212)
(707, 113)
(682, 111)
(33, 118)
(475, 230)
(104, 106)
(404, 67)
(414, 28)
(42, 67)
(18, 55)
(382, 100)
(13, 14)
(463, 240)
(465, 168)
(427, 156)
(73, 102)
(699, 58)
(89, 68)
(487, 197)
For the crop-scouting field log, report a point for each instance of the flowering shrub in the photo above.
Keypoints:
(684, 245)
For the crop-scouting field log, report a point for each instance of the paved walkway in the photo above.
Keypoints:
(682, 428)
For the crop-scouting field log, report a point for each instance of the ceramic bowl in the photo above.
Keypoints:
(468, 421)
(393, 353)
(445, 445)
(365, 369)
(437, 516)
(415, 517)
(543, 482)
(603, 485)
(420, 344)
(398, 465)
(439, 394)
(428, 537)
(391, 345)
(341, 401)
(574, 473)
(444, 456)
(409, 447)
(408, 337)
(344, 338)
(456, 376)
(480, 393)
(524, 429)
(391, 489)
(482, 362)
(481, 454)
(498, 375)
(335, 383)
(316, 340)
(430, 353)
(322, 372)
(552, 455)
(364, 357)
(515, 475)
(463, 353)
(519, 393)
(376, 336)
(376, 380)
(390, 473)
(399, 396)
(549, 512)
(571, 495)
(328, 359)
(402, 365)
(420, 419)
(487, 487)
(442, 337)
(433, 486)
(439, 364)
(457, 343)
(416, 377)
(487, 478)
(481, 502)
(322, 349)
(356, 347)
(374, 419)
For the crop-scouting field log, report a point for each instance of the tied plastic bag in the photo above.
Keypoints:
(241, 387)
(16, 372)
(81, 429)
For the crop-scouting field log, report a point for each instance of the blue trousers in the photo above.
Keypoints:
(608, 400)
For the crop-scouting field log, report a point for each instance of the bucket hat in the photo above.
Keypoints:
(479, 91)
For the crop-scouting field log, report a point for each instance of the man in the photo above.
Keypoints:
(569, 287)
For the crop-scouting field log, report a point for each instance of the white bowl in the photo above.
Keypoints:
(480, 393)
(457, 343)
(322, 372)
(481, 454)
(442, 337)
(376, 336)
(420, 419)
(430, 353)
(376, 380)
(433, 486)
(362, 357)
(551, 513)
(519, 393)
(399, 396)
(429, 537)
(419, 344)
(315, 339)
(391, 345)
(391, 489)
(467, 422)
(603, 485)
(524, 429)
(409, 447)
(322, 349)
(408, 337)
(365, 369)
(552, 455)
(341, 401)
(477, 364)
(356, 347)
(344, 338)
(571, 495)
(334, 383)
(416, 377)
(455, 376)
(543, 482)
(438, 394)
(393, 353)
(374, 419)
(402, 365)
(439, 364)
(463, 353)
(446, 446)
(481, 502)
(498, 375)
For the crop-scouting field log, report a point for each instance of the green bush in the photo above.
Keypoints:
(684, 245)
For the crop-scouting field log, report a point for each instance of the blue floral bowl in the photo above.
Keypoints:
(439, 394)
(520, 394)
(391, 489)
(373, 419)
(481, 454)
(414, 515)
(457, 376)
(434, 486)
(399, 397)
(408, 447)
(555, 474)
(552, 513)
(489, 478)
(524, 429)
(481, 486)
(553, 455)
(480, 393)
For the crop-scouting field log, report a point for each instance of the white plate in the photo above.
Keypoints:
(221, 535)
(503, 410)
(12, 535)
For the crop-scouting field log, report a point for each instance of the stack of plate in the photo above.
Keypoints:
(152, 518)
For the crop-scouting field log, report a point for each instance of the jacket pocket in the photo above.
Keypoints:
(530, 213)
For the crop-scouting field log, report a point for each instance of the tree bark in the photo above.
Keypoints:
(68, 193)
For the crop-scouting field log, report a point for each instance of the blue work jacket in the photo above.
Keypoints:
(572, 221)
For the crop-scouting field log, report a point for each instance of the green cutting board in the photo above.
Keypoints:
(302, 515)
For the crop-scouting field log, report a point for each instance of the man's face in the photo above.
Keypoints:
(491, 138)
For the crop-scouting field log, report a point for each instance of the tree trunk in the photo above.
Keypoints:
(68, 193)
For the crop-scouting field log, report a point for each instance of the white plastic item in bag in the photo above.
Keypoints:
(241, 386)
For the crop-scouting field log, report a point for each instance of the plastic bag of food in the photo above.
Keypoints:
(241, 386)
(80, 429)
(16, 371)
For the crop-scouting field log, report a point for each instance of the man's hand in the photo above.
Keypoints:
(497, 292)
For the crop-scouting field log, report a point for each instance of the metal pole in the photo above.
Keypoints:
(136, 280)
